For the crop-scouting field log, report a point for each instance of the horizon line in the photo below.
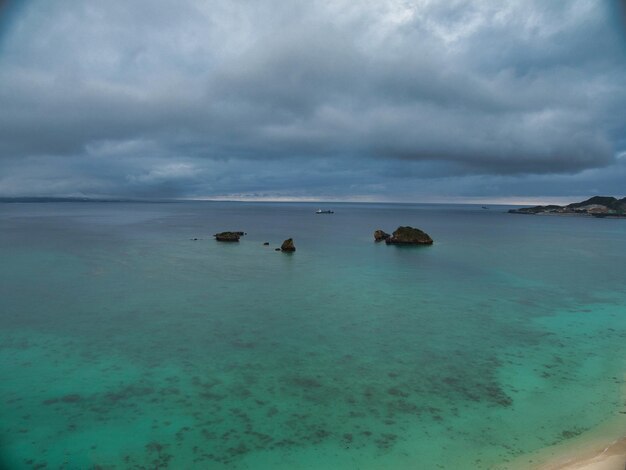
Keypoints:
(513, 200)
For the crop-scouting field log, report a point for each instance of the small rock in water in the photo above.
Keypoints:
(288, 246)
(380, 235)
(266, 244)
(227, 236)
(276, 249)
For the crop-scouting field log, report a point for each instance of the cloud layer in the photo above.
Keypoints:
(316, 98)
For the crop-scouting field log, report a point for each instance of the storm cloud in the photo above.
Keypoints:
(340, 99)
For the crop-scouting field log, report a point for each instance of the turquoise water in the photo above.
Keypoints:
(125, 344)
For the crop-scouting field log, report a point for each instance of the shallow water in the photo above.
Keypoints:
(125, 344)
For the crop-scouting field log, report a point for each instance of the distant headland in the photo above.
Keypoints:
(597, 206)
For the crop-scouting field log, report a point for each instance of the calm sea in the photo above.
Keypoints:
(126, 344)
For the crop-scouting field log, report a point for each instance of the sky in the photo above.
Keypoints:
(363, 100)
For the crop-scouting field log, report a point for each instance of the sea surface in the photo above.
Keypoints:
(124, 343)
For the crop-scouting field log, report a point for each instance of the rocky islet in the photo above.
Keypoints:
(404, 235)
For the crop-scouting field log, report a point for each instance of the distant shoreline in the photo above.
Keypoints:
(596, 206)
(572, 214)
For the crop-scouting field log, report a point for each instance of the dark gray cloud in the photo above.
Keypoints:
(311, 99)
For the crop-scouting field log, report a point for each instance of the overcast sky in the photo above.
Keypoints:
(336, 99)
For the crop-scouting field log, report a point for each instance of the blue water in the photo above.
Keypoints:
(126, 344)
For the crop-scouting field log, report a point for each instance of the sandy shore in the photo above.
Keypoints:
(611, 457)
(603, 448)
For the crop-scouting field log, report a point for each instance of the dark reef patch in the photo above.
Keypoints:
(397, 392)
(71, 398)
(305, 382)
(128, 393)
(386, 441)
(570, 433)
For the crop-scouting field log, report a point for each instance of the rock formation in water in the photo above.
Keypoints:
(597, 206)
(409, 236)
(228, 236)
(380, 235)
(288, 246)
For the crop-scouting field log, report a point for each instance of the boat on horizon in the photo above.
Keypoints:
(325, 211)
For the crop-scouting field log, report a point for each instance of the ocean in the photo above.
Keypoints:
(125, 343)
